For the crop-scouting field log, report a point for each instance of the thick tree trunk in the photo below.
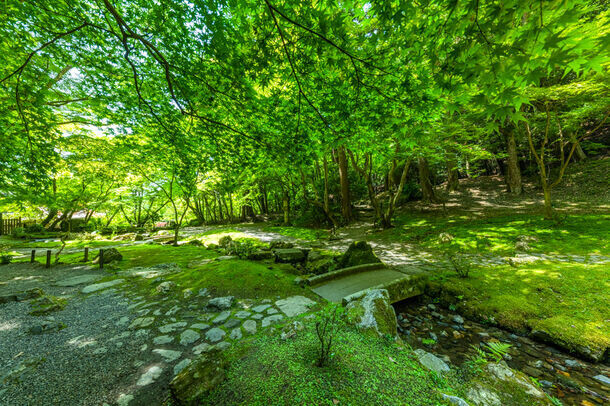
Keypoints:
(513, 173)
(427, 189)
(52, 214)
(346, 204)
(453, 182)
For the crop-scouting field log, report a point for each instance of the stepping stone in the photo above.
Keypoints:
(169, 355)
(162, 340)
(78, 280)
(189, 337)
(144, 347)
(235, 334)
(181, 365)
(141, 322)
(168, 328)
(232, 323)
(100, 286)
(221, 303)
(267, 321)
(150, 376)
(204, 347)
(215, 334)
(173, 311)
(261, 308)
(242, 314)
(142, 333)
(272, 311)
(100, 350)
(258, 316)
(222, 317)
(603, 379)
(294, 305)
(222, 346)
(250, 326)
(200, 326)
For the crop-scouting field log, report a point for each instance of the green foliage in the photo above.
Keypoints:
(19, 232)
(497, 350)
(327, 326)
(47, 304)
(5, 259)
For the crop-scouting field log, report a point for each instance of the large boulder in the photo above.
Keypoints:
(289, 255)
(372, 313)
(220, 303)
(358, 253)
(199, 378)
(110, 255)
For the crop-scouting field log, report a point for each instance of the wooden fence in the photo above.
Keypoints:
(8, 225)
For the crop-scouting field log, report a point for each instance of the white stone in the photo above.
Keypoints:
(100, 286)
(150, 376)
(294, 305)
(124, 400)
(162, 340)
(169, 355)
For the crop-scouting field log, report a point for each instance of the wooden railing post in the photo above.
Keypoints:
(48, 264)
(101, 259)
(86, 254)
(33, 257)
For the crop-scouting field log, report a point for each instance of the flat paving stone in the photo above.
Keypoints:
(100, 286)
(261, 308)
(267, 321)
(250, 326)
(215, 334)
(78, 280)
(222, 317)
(168, 355)
(235, 334)
(201, 348)
(232, 323)
(242, 314)
(162, 340)
(181, 365)
(168, 328)
(142, 322)
(295, 305)
(189, 337)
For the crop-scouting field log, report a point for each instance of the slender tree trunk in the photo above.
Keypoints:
(286, 208)
(578, 152)
(513, 173)
(453, 182)
(424, 180)
(346, 204)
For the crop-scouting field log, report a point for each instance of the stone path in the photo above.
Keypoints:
(398, 253)
(117, 346)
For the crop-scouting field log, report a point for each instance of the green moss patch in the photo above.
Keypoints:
(569, 301)
(363, 371)
(47, 304)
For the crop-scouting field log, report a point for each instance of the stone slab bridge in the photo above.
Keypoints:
(341, 286)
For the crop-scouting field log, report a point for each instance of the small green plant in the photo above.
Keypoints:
(19, 232)
(428, 341)
(5, 259)
(476, 362)
(461, 264)
(47, 304)
(242, 249)
(497, 350)
(554, 401)
(327, 326)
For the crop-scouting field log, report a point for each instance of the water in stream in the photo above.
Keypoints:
(572, 380)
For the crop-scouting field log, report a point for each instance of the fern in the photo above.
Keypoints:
(498, 350)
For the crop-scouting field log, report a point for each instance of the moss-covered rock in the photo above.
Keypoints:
(47, 304)
(199, 378)
(358, 253)
(372, 313)
(225, 241)
(110, 255)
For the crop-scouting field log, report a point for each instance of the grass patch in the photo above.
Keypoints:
(302, 233)
(576, 234)
(363, 371)
(570, 301)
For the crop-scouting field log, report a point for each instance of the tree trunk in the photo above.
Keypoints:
(427, 189)
(548, 208)
(578, 152)
(286, 209)
(346, 204)
(52, 214)
(513, 173)
(453, 182)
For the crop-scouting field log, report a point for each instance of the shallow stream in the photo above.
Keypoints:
(449, 336)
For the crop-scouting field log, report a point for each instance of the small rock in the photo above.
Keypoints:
(250, 326)
(124, 400)
(431, 362)
(267, 321)
(165, 287)
(272, 311)
(261, 308)
(168, 328)
(458, 319)
(162, 340)
(99, 286)
(188, 337)
(141, 322)
(204, 347)
(200, 326)
(215, 334)
(150, 376)
(294, 305)
(222, 317)
(572, 363)
(454, 400)
(235, 334)
(220, 303)
(603, 379)
(222, 346)
(243, 314)
(168, 355)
